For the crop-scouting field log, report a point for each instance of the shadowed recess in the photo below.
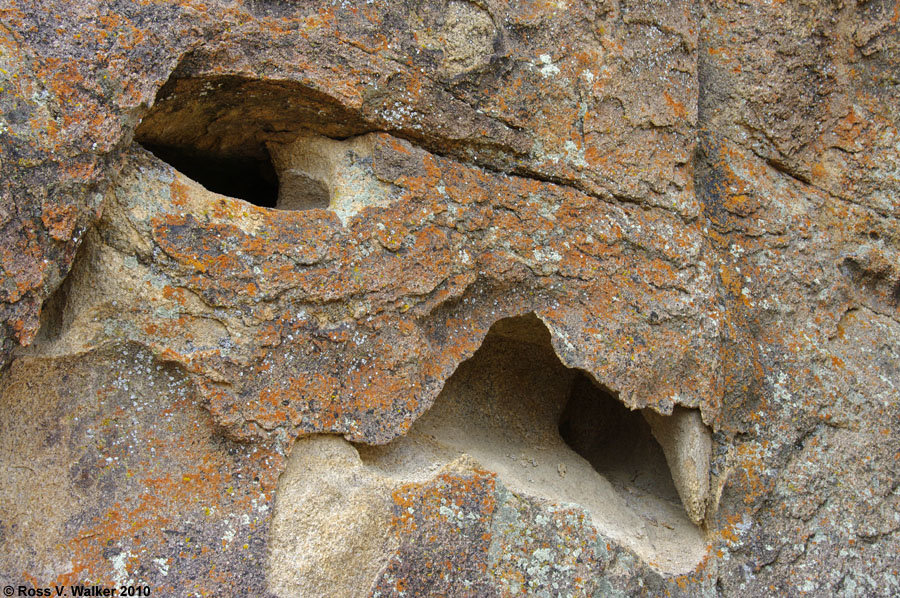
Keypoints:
(617, 442)
(549, 432)
(245, 177)
(217, 130)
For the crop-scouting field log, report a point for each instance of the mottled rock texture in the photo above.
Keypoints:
(643, 258)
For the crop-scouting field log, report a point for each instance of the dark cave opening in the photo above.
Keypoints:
(616, 441)
(250, 178)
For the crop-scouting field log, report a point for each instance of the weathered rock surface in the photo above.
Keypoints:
(363, 299)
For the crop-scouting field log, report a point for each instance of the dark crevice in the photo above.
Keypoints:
(59, 309)
(215, 127)
(617, 442)
(783, 168)
(250, 178)
(53, 313)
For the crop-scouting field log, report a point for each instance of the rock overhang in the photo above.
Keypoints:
(298, 296)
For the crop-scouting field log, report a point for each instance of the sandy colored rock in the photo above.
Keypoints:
(318, 172)
(504, 408)
(330, 534)
(687, 445)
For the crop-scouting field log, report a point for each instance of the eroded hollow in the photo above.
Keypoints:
(218, 131)
(548, 431)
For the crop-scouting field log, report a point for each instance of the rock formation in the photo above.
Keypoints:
(450, 298)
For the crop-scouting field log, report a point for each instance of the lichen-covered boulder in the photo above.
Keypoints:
(457, 298)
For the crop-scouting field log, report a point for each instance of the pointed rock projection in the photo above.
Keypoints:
(687, 445)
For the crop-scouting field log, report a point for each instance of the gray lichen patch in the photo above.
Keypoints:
(110, 462)
(465, 38)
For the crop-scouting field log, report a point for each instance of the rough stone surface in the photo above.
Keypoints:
(695, 201)
(114, 474)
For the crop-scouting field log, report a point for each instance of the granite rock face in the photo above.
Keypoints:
(587, 298)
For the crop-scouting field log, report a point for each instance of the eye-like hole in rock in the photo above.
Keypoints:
(505, 407)
(219, 130)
